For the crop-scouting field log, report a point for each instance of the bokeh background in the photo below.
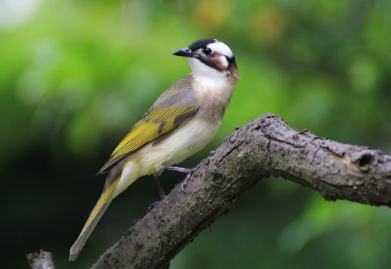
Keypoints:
(75, 76)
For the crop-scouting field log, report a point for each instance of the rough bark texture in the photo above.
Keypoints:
(265, 147)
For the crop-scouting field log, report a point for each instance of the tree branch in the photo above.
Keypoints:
(265, 147)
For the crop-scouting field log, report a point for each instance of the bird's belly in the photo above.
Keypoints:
(188, 139)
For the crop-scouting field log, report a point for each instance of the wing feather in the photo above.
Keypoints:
(165, 115)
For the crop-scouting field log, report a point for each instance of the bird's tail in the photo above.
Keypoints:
(93, 219)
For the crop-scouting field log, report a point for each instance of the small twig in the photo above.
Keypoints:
(41, 260)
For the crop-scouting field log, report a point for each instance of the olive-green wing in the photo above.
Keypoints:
(173, 107)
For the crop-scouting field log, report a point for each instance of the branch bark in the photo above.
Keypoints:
(265, 147)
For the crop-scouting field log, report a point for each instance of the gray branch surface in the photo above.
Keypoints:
(265, 147)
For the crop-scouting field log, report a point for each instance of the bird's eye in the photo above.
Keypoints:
(207, 51)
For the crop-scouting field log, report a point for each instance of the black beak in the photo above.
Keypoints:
(186, 52)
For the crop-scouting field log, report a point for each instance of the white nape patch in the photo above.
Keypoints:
(206, 74)
(221, 48)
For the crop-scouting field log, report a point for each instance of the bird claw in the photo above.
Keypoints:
(189, 174)
(184, 183)
(188, 171)
(152, 206)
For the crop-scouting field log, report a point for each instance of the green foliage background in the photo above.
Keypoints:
(75, 76)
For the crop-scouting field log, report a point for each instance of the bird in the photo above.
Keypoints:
(180, 122)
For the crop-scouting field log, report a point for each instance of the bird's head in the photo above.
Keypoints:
(210, 58)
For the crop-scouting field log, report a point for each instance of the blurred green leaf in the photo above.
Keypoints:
(76, 75)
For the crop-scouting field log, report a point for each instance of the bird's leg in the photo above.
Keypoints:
(161, 192)
(188, 171)
(160, 187)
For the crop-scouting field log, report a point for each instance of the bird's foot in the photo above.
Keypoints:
(161, 192)
(153, 206)
(188, 171)
(160, 187)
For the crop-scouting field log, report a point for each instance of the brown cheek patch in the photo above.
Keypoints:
(233, 70)
(219, 62)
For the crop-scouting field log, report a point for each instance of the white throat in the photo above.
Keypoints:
(206, 74)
